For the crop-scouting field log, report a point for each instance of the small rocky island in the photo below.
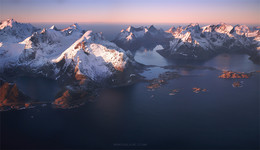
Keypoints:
(11, 97)
(237, 84)
(235, 75)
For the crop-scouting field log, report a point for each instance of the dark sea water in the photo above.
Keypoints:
(134, 118)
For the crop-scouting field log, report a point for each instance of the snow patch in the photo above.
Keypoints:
(158, 47)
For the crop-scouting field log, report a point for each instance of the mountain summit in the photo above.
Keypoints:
(195, 42)
(12, 31)
(133, 38)
(68, 55)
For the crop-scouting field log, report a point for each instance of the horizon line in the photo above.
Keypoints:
(129, 23)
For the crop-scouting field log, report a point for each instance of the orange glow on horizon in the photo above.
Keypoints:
(133, 12)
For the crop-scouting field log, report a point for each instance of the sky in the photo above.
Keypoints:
(132, 11)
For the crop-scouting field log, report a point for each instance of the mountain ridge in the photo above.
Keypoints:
(71, 51)
(195, 42)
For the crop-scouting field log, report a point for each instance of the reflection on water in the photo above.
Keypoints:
(150, 57)
(38, 88)
(110, 101)
(153, 72)
(233, 62)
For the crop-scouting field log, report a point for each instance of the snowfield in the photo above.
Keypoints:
(95, 57)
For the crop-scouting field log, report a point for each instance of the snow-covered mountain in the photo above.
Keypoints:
(133, 38)
(12, 31)
(36, 50)
(68, 53)
(71, 29)
(79, 55)
(195, 42)
(47, 44)
(93, 57)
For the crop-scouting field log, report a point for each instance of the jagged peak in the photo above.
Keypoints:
(45, 35)
(187, 37)
(43, 31)
(53, 27)
(193, 24)
(6, 23)
(241, 26)
(180, 27)
(218, 25)
(50, 31)
(132, 29)
(208, 28)
(223, 27)
(12, 20)
(129, 28)
(89, 35)
(131, 36)
(240, 29)
(9, 21)
(171, 30)
(74, 26)
(152, 28)
(222, 24)
(22, 30)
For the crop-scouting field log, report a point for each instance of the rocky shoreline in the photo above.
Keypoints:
(235, 75)
(75, 94)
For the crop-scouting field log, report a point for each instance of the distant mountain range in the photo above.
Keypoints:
(193, 41)
(133, 38)
(73, 52)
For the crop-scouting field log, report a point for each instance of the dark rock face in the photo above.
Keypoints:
(11, 97)
(70, 99)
